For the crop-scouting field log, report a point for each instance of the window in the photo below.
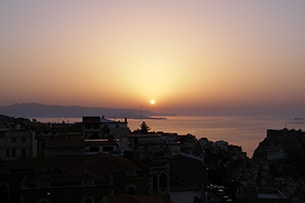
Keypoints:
(163, 180)
(108, 149)
(94, 149)
(7, 153)
(13, 152)
(23, 139)
(131, 190)
(14, 139)
(155, 183)
(4, 194)
(23, 153)
(88, 200)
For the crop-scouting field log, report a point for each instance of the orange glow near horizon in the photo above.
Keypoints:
(195, 55)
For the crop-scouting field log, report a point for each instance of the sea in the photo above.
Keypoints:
(244, 131)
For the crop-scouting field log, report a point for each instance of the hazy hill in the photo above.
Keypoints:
(32, 110)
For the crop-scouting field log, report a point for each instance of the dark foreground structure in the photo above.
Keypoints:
(72, 179)
(101, 161)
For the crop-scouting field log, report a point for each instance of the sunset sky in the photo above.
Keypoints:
(191, 57)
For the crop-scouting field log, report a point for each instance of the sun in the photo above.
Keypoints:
(152, 101)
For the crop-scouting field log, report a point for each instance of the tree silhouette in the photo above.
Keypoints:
(144, 127)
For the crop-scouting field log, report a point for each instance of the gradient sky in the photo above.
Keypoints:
(190, 56)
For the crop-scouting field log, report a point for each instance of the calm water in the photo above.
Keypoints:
(246, 132)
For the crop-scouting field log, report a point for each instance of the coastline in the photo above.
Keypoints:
(244, 131)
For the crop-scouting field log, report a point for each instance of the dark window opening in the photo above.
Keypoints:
(14, 139)
(155, 183)
(131, 190)
(4, 194)
(23, 139)
(108, 149)
(23, 153)
(13, 152)
(94, 149)
(88, 200)
(163, 180)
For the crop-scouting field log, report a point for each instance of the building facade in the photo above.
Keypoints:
(15, 144)
(95, 127)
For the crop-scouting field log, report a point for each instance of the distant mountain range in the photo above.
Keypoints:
(36, 110)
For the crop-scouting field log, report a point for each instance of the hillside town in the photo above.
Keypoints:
(99, 160)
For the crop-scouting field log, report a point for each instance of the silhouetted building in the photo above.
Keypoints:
(73, 179)
(64, 147)
(95, 127)
(152, 145)
(187, 173)
(95, 146)
(16, 144)
(58, 139)
(253, 194)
